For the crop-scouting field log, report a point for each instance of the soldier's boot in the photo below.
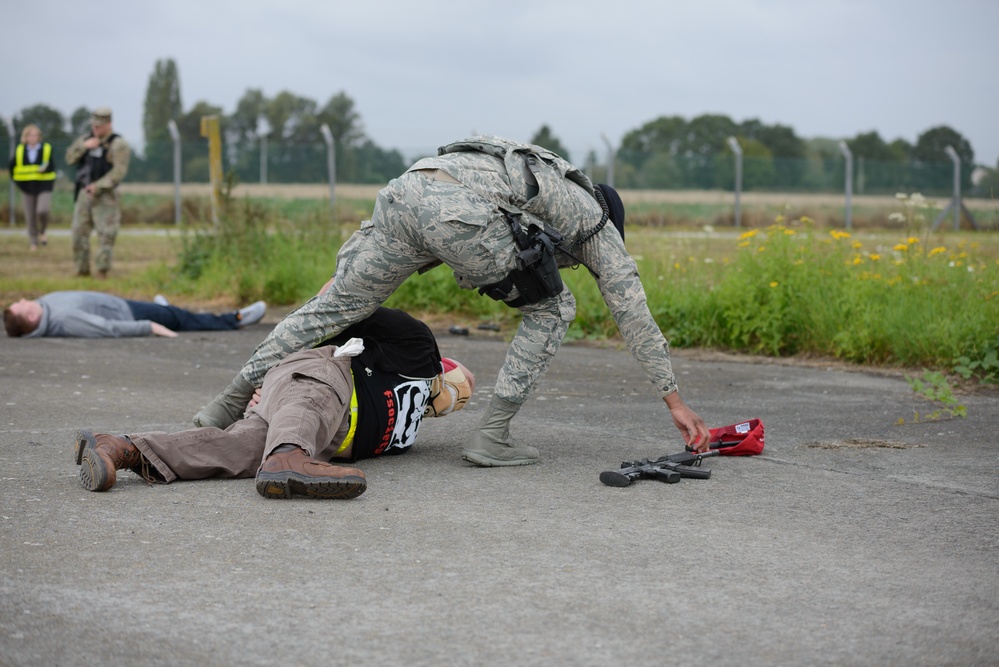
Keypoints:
(492, 445)
(100, 455)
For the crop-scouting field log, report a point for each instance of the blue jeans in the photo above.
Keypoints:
(178, 319)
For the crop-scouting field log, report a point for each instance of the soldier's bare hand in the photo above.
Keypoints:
(692, 428)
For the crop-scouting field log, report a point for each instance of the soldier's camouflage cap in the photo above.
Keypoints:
(101, 116)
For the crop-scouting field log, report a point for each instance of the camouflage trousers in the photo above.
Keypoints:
(103, 214)
(418, 221)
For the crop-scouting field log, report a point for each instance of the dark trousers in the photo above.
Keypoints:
(178, 319)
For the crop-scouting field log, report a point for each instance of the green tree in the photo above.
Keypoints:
(79, 122)
(884, 168)
(544, 138)
(162, 105)
(243, 134)
(933, 167)
(758, 170)
(162, 100)
(50, 121)
(348, 134)
(870, 146)
(786, 153)
(706, 137)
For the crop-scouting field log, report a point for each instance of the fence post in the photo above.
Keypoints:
(610, 159)
(733, 143)
(956, 202)
(13, 147)
(848, 178)
(210, 130)
(175, 136)
(330, 161)
(263, 129)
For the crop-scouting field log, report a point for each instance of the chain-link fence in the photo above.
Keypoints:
(281, 162)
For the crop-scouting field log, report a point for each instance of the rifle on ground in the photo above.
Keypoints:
(670, 469)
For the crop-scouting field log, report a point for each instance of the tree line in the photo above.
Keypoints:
(669, 152)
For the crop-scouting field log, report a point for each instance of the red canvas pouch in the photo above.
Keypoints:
(742, 439)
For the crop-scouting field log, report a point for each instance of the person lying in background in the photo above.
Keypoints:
(81, 314)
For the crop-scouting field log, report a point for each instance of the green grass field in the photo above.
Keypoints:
(896, 294)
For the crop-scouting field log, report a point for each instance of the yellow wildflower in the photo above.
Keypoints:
(744, 244)
(875, 257)
(912, 240)
(937, 251)
(774, 284)
(901, 247)
(750, 234)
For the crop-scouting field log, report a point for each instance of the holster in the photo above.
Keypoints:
(536, 276)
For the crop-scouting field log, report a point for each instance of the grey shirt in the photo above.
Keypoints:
(79, 314)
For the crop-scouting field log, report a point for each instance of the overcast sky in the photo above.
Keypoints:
(426, 72)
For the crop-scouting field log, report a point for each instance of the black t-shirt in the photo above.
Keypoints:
(392, 379)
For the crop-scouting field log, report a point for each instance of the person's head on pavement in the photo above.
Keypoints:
(22, 317)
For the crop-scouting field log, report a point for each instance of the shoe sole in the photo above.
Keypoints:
(84, 440)
(94, 474)
(489, 462)
(288, 484)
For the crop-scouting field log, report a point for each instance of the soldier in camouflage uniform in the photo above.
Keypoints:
(101, 158)
(456, 208)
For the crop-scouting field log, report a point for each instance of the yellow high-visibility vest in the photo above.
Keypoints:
(32, 172)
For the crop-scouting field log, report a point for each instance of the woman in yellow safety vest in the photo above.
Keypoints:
(33, 169)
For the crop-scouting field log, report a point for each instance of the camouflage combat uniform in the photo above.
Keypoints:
(102, 211)
(449, 209)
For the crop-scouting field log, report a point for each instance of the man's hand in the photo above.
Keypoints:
(253, 401)
(692, 428)
(160, 330)
(91, 143)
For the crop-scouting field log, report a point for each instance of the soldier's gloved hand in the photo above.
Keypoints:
(228, 407)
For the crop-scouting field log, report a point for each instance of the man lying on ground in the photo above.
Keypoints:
(360, 395)
(79, 314)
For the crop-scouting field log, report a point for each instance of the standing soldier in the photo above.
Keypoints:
(101, 158)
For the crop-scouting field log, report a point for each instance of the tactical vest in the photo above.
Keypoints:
(97, 161)
(93, 165)
(32, 172)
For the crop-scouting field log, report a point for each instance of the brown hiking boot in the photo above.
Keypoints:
(295, 473)
(100, 455)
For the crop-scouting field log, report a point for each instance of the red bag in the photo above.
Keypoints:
(742, 439)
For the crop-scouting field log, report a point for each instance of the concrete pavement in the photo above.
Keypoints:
(850, 541)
